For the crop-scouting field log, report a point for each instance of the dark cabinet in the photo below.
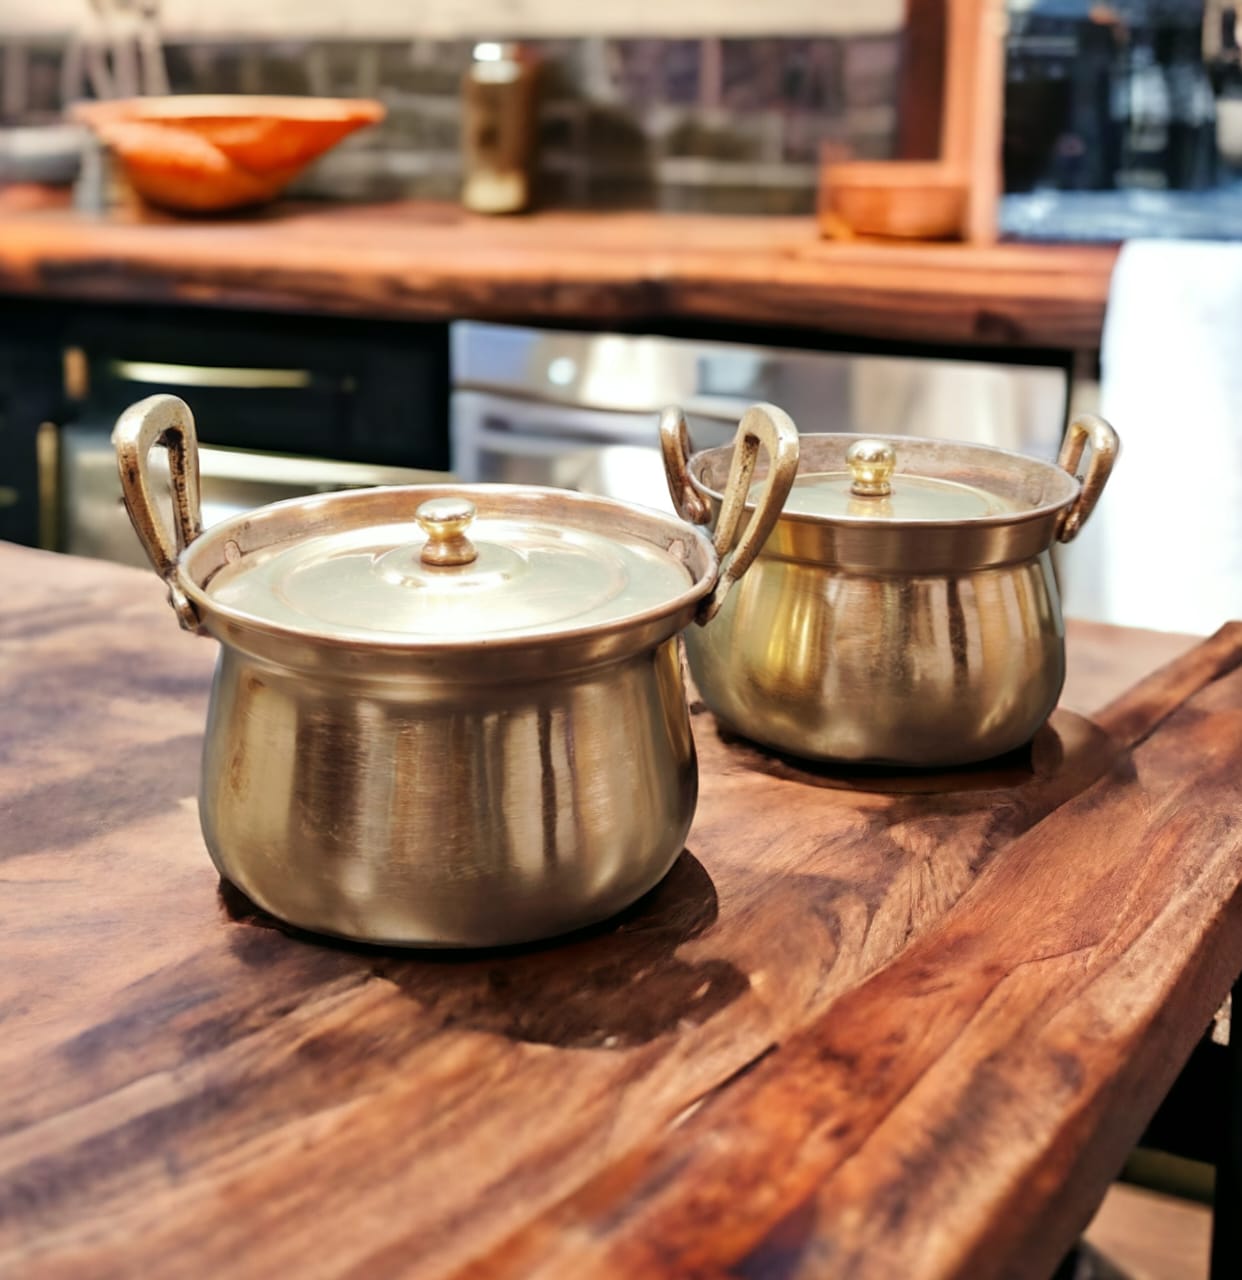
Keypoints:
(30, 395)
(341, 389)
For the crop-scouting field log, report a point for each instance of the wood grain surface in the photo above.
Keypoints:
(418, 260)
(872, 1024)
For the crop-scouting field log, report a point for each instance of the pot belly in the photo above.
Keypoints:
(420, 813)
(922, 671)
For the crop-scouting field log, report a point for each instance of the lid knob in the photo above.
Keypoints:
(871, 464)
(445, 521)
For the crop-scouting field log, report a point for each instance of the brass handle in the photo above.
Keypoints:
(168, 422)
(445, 521)
(772, 428)
(675, 446)
(1104, 449)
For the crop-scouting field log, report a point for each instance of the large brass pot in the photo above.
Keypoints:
(411, 745)
(865, 637)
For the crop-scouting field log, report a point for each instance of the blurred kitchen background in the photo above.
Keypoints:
(1120, 121)
(1123, 119)
(721, 125)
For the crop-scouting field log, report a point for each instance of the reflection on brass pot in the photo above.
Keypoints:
(475, 758)
(863, 637)
(489, 811)
(914, 669)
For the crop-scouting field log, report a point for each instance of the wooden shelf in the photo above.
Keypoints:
(428, 261)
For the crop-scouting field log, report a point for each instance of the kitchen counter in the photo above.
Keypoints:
(868, 1026)
(427, 261)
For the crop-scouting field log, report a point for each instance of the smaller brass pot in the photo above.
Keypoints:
(913, 619)
(447, 715)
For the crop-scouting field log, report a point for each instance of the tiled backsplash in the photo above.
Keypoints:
(723, 125)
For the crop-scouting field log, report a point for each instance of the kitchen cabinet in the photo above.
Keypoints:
(356, 390)
(30, 395)
(349, 390)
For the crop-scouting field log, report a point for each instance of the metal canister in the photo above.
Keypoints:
(499, 100)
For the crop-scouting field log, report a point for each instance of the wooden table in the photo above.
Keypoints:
(868, 1027)
(417, 260)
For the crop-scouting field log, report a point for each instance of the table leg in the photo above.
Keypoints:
(1227, 1198)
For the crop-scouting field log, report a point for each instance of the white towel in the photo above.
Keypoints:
(1168, 535)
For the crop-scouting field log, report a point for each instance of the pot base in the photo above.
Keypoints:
(433, 814)
(243, 906)
(1067, 739)
(896, 764)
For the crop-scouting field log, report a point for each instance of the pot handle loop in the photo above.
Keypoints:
(675, 446)
(166, 421)
(1104, 449)
(762, 426)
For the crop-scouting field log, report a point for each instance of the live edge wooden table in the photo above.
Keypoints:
(870, 1026)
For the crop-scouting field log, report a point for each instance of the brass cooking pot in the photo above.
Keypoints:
(445, 715)
(904, 610)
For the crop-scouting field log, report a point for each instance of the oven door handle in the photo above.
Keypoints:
(509, 428)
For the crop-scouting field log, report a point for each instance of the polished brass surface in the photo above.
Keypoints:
(1104, 449)
(931, 502)
(445, 521)
(990, 506)
(884, 668)
(166, 421)
(434, 813)
(909, 642)
(871, 464)
(410, 782)
(541, 565)
(688, 502)
(763, 426)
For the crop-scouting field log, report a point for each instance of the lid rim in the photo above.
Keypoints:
(440, 645)
(445, 646)
(994, 520)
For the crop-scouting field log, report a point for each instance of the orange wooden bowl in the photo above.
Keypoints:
(901, 199)
(203, 154)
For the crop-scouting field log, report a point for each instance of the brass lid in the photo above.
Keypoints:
(952, 507)
(870, 488)
(452, 572)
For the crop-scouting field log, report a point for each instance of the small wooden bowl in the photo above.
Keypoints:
(203, 154)
(899, 199)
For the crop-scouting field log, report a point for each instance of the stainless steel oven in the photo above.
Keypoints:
(579, 410)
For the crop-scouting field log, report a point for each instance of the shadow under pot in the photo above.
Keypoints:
(445, 715)
(904, 609)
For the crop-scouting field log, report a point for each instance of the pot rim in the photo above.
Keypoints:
(1044, 510)
(198, 564)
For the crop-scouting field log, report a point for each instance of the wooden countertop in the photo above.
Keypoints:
(862, 1029)
(418, 260)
